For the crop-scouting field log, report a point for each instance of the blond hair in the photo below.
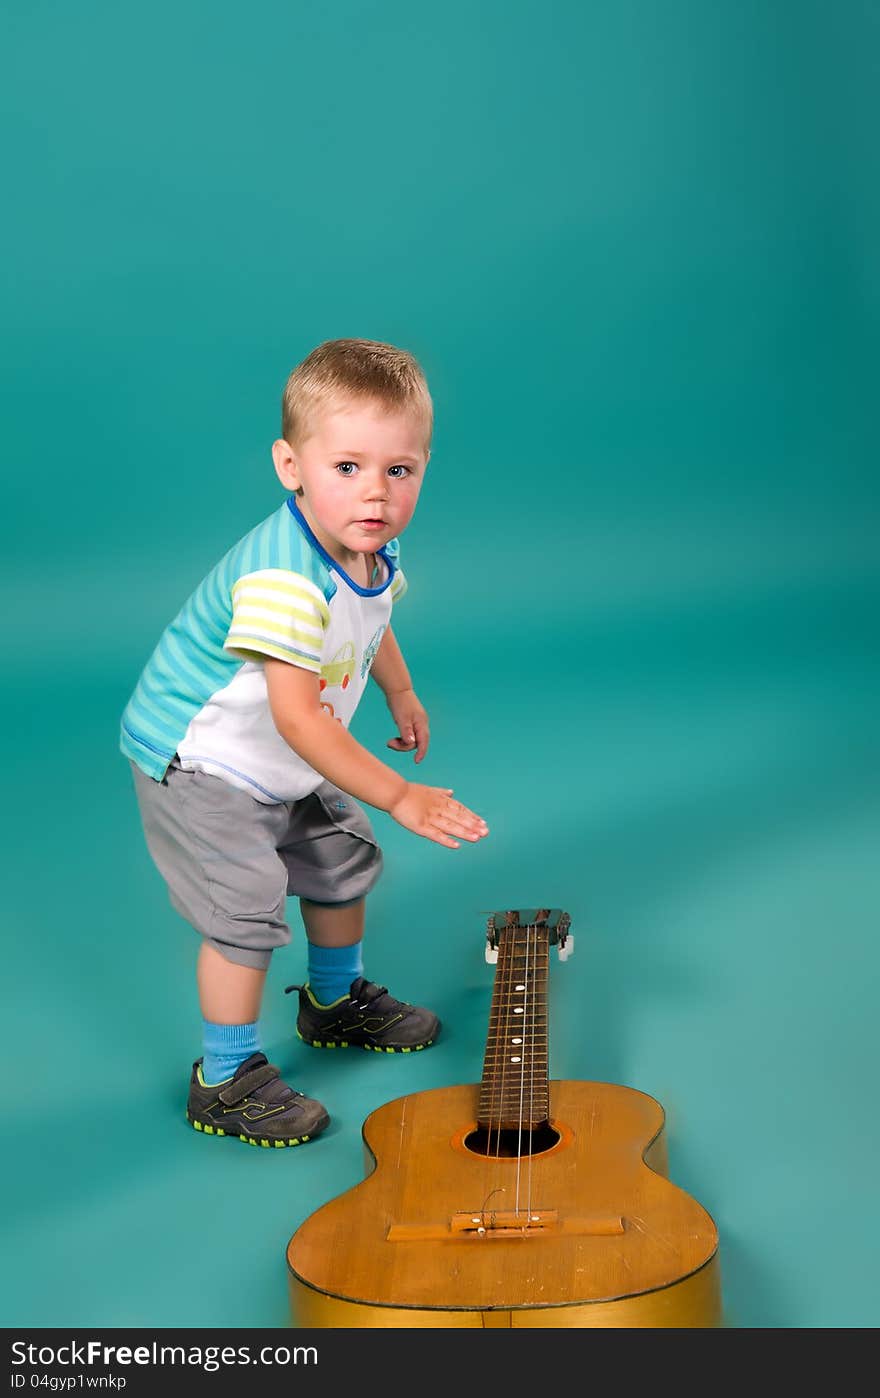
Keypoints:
(360, 369)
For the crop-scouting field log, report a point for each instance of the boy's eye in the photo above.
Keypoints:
(346, 468)
(398, 471)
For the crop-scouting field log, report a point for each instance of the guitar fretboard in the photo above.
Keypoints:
(515, 1091)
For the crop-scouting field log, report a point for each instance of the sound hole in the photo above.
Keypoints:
(511, 1142)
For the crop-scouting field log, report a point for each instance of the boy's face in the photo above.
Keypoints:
(360, 473)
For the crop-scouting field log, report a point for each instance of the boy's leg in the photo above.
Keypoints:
(333, 924)
(228, 993)
(333, 861)
(215, 848)
(230, 997)
(335, 957)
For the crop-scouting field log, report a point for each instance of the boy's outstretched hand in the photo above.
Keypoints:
(432, 811)
(412, 723)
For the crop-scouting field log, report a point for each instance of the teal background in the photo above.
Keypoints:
(635, 247)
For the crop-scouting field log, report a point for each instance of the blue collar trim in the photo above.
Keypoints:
(331, 562)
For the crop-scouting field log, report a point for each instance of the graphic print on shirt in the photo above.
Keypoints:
(370, 650)
(339, 670)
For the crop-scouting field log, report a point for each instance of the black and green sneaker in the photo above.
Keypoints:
(368, 1017)
(254, 1105)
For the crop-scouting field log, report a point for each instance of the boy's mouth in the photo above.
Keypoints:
(371, 523)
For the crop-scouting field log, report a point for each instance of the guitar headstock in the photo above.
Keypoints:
(508, 921)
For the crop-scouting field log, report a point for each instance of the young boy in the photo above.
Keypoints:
(246, 775)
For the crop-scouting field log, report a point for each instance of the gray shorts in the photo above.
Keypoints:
(230, 861)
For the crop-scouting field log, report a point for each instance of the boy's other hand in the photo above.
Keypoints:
(432, 811)
(412, 723)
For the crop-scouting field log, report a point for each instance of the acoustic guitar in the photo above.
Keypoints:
(516, 1202)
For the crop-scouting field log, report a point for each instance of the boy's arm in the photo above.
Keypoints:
(390, 672)
(389, 667)
(295, 703)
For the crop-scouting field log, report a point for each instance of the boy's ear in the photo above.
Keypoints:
(285, 464)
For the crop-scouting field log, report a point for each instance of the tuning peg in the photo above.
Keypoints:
(566, 948)
(491, 954)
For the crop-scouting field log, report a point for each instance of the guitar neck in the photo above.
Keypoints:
(515, 1089)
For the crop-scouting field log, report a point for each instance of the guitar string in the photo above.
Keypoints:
(505, 1007)
(532, 1032)
(526, 1049)
(526, 1028)
(527, 1037)
(538, 993)
(494, 1011)
(507, 954)
(532, 997)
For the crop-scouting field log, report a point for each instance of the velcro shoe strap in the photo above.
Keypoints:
(251, 1082)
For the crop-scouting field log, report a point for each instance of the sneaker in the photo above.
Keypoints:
(254, 1105)
(368, 1017)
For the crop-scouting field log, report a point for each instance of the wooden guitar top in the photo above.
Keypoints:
(439, 1225)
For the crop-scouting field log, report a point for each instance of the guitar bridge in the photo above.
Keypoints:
(507, 1223)
(499, 1220)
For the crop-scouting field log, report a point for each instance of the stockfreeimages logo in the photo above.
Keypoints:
(89, 1353)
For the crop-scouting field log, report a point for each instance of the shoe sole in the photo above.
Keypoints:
(370, 1048)
(208, 1129)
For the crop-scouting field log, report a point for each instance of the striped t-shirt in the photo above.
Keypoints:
(202, 693)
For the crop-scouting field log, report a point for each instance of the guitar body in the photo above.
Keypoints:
(584, 1230)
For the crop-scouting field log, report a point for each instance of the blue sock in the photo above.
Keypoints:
(332, 970)
(225, 1046)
